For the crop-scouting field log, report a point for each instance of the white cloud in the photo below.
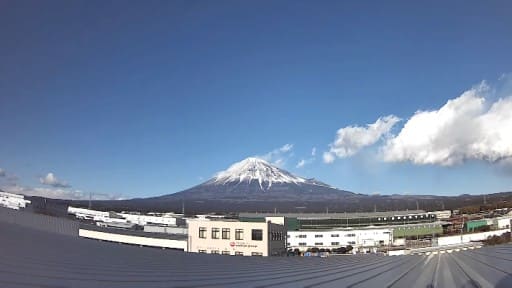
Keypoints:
(467, 127)
(329, 157)
(286, 148)
(306, 161)
(58, 193)
(301, 163)
(349, 140)
(51, 180)
(278, 156)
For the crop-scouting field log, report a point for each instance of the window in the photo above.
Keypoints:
(239, 234)
(319, 236)
(237, 253)
(335, 243)
(215, 252)
(319, 243)
(351, 235)
(256, 254)
(226, 253)
(302, 244)
(201, 251)
(257, 234)
(301, 236)
(335, 235)
(351, 242)
(215, 233)
(202, 232)
(287, 243)
(225, 233)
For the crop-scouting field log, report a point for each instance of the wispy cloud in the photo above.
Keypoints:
(59, 193)
(51, 180)
(278, 156)
(467, 127)
(306, 161)
(350, 140)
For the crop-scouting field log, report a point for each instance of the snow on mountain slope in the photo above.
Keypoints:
(255, 169)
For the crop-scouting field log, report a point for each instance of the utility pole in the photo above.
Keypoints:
(90, 196)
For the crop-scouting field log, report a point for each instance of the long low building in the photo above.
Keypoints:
(326, 221)
(360, 239)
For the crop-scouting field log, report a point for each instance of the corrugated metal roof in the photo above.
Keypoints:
(34, 258)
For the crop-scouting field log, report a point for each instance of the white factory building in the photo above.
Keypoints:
(236, 238)
(13, 201)
(360, 239)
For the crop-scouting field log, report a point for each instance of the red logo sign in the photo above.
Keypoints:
(232, 244)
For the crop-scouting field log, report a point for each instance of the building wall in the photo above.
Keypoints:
(337, 238)
(466, 238)
(268, 245)
(135, 240)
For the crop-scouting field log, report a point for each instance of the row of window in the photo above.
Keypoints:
(321, 235)
(322, 244)
(407, 217)
(237, 253)
(256, 234)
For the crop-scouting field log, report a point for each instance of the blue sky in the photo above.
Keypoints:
(143, 98)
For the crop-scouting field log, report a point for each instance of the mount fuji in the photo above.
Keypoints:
(254, 179)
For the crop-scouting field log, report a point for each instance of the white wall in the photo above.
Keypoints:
(137, 240)
(325, 239)
(466, 238)
(246, 246)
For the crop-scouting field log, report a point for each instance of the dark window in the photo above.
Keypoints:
(319, 236)
(257, 234)
(215, 233)
(256, 254)
(335, 235)
(226, 253)
(239, 234)
(215, 252)
(202, 232)
(225, 233)
(335, 243)
(239, 253)
(319, 243)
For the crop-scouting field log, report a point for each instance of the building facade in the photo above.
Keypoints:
(332, 239)
(236, 238)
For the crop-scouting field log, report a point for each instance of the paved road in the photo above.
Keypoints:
(34, 258)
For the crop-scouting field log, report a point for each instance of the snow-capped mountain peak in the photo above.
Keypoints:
(256, 169)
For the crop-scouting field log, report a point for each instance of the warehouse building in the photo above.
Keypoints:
(236, 237)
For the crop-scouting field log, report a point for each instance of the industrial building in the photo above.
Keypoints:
(360, 239)
(236, 237)
(13, 201)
